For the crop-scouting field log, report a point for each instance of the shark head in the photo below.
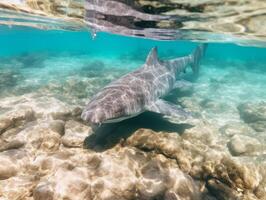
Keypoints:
(101, 115)
(107, 108)
(94, 116)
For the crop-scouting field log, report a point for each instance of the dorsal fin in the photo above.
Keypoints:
(152, 57)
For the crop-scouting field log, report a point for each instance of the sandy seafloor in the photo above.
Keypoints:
(45, 151)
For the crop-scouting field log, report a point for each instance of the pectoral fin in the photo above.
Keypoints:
(171, 111)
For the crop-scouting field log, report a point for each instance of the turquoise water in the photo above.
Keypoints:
(15, 41)
(72, 66)
(52, 74)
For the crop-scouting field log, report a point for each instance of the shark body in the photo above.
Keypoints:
(142, 90)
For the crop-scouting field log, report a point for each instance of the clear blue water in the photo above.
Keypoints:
(15, 41)
(55, 73)
(71, 66)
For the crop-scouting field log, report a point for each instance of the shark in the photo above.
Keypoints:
(143, 90)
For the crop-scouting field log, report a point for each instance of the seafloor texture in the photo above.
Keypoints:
(211, 20)
(46, 154)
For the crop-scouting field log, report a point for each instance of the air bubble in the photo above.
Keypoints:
(93, 34)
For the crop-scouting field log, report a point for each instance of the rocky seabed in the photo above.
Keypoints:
(43, 156)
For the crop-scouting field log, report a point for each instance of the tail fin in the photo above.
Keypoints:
(196, 57)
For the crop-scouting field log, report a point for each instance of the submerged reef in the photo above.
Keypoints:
(254, 114)
(46, 151)
(43, 156)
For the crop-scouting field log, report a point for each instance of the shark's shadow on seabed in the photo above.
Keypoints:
(110, 134)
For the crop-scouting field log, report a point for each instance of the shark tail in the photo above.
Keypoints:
(196, 57)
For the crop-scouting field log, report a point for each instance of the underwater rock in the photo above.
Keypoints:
(9, 135)
(166, 174)
(67, 183)
(148, 165)
(236, 128)
(14, 144)
(168, 144)
(58, 110)
(18, 187)
(201, 159)
(21, 116)
(253, 112)
(259, 126)
(214, 106)
(37, 106)
(237, 175)
(260, 191)
(190, 104)
(7, 168)
(75, 134)
(4, 124)
(202, 134)
(57, 126)
(12, 162)
(40, 138)
(76, 113)
(244, 145)
(47, 164)
(119, 173)
(221, 191)
(183, 149)
(43, 192)
(16, 118)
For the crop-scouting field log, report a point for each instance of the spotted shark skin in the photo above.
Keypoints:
(142, 90)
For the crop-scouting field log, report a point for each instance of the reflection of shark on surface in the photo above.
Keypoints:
(143, 90)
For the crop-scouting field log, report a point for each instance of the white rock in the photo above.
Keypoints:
(12, 162)
(243, 145)
(39, 137)
(65, 184)
(75, 134)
